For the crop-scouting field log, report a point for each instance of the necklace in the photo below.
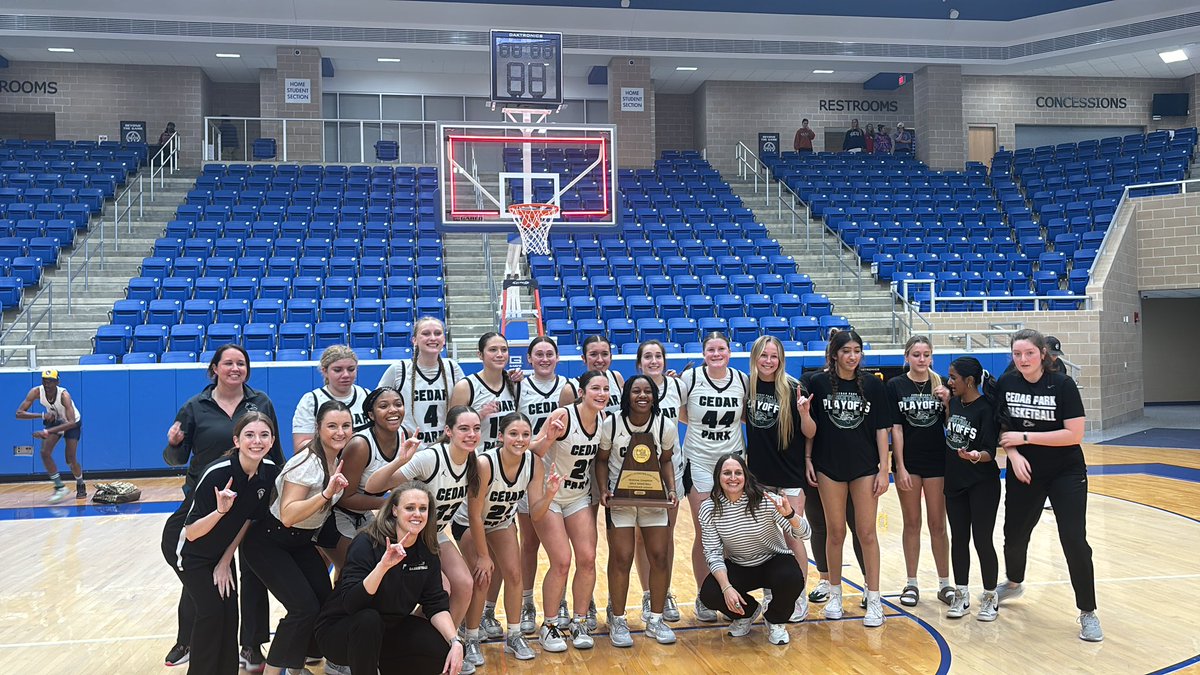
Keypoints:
(922, 387)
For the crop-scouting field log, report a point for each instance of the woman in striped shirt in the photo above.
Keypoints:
(741, 528)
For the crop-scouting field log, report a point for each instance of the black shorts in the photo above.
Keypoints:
(923, 466)
(71, 434)
(457, 531)
(849, 476)
(687, 478)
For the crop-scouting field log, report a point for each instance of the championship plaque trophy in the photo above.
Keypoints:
(640, 483)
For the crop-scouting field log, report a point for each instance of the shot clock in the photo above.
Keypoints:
(526, 67)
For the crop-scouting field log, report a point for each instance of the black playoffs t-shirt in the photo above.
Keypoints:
(921, 414)
(1040, 406)
(844, 447)
(770, 464)
(970, 427)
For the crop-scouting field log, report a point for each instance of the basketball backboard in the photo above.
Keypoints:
(487, 167)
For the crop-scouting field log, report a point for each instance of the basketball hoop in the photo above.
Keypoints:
(533, 222)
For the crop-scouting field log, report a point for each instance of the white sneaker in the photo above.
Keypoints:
(989, 606)
(592, 624)
(874, 616)
(671, 609)
(645, 606)
(580, 638)
(1007, 590)
(741, 627)
(60, 493)
(528, 618)
(564, 615)
(800, 613)
(660, 631)
(516, 645)
(1089, 627)
(959, 604)
(777, 633)
(552, 638)
(472, 652)
(490, 624)
(618, 631)
(820, 593)
(467, 668)
(833, 604)
(336, 669)
(703, 613)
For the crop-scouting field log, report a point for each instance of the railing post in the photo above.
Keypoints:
(285, 143)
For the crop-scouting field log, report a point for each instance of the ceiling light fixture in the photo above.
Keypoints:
(60, 50)
(953, 13)
(1173, 56)
(822, 72)
(229, 56)
(387, 59)
(687, 68)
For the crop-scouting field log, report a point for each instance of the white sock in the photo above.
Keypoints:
(527, 596)
(767, 594)
(943, 582)
(472, 633)
(961, 588)
(514, 629)
(489, 607)
(912, 581)
(835, 589)
(655, 616)
(872, 595)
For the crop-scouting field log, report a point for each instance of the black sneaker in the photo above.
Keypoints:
(252, 659)
(80, 490)
(178, 655)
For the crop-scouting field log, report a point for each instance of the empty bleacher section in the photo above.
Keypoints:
(49, 191)
(689, 258)
(1023, 237)
(286, 259)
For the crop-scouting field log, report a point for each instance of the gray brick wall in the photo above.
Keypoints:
(1168, 242)
(675, 122)
(635, 130)
(305, 142)
(938, 112)
(1009, 101)
(738, 111)
(92, 99)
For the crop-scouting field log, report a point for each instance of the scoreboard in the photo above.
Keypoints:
(526, 67)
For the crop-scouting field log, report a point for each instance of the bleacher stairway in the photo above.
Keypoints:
(468, 294)
(72, 332)
(872, 316)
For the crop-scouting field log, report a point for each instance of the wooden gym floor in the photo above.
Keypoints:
(86, 588)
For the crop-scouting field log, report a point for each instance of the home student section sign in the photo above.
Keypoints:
(297, 90)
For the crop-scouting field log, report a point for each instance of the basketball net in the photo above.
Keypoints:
(533, 223)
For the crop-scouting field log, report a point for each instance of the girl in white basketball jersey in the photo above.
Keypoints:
(571, 439)
(448, 468)
(652, 362)
(539, 397)
(638, 428)
(339, 368)
(368, 451)
(715, 402)
(597, 356)
(427, 381)
(490, 391)
(487, 534)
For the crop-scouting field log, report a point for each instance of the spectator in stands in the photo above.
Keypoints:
(854, 141)
(229, 138)
(904, 141)
(869, 139)
(804, 137)
(883, 141)
(61, 419)
(163, 139)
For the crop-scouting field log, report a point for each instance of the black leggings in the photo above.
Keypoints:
(972, 512)
(780, 573)
(814, 511)
(286, 559)
(213, 638)
(368, 643)
(1067, 490)
(255, 614)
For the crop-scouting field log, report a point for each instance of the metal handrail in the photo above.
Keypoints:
(900, 289)
(31, 323)
(786, 198)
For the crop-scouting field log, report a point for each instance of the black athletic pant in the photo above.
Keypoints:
(781, 573)
(1023, 503)
(972, 513)
(814, 511)
(368, 643)
(287, 561)
(214, 636)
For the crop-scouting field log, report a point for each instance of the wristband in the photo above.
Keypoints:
(727, 587)
(221, 512)
(1025, 435)
(790, 516)
(328, 499)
